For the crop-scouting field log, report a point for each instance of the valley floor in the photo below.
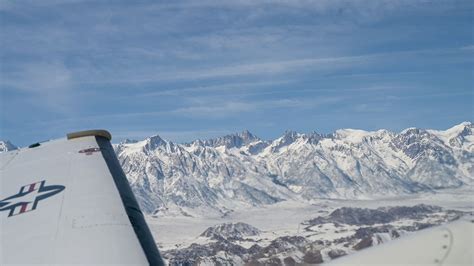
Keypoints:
(284, 217)
(290, 219)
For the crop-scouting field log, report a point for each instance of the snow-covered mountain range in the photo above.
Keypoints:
(219, 175)
(216, 176)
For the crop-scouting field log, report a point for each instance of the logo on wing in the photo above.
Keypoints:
(29, 197)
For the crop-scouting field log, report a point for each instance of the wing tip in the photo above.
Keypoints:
(87, 133)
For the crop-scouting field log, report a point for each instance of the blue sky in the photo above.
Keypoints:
(188, 70)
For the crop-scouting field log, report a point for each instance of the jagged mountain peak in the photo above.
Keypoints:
(235, 140)
(313, 137)
(414, 135)
(148, 145)
(459, 136)
(466, 124)
(290, 134)
(351, 135)
(245, 134)
(463, 129)
(315, 133)
(384, 132)
(288, 138)
(6, 145)
(412, 130)
(155, 141)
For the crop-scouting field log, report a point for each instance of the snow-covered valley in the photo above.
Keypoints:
(291, 229)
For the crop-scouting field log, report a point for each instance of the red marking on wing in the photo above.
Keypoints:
(23, 207)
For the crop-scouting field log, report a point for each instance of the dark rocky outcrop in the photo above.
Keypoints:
(383, 215)
(313, 257)
(336, 253)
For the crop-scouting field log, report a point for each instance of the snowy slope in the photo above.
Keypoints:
(217, 176)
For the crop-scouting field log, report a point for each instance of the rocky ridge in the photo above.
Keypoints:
(343, 231)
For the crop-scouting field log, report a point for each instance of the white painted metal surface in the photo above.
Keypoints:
(85, 223)
(451, 244)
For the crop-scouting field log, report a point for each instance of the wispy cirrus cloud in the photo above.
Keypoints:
(322, 66)
(226, 86)
(48, 84)
(39, 77)
(216, 107)
(201, 65)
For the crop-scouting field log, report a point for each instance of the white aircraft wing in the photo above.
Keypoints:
(450, 244)
(68, 202)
